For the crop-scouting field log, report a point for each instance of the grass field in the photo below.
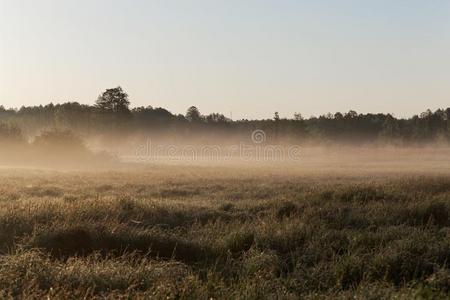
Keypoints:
(188, 232)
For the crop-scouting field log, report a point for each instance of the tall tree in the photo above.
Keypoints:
(113, 100)
(193, 114)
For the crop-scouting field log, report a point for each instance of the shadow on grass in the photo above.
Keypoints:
(65, 243)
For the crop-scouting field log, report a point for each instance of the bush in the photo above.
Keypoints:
(62, 147)
(58, 141)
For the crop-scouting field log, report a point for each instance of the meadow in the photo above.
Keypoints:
(244, 231)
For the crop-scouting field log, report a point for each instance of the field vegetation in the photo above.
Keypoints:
(222, 232)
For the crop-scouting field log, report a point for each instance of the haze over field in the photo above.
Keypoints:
(110, 133)
(197, 149)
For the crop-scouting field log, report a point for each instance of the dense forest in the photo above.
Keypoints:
(111, 116)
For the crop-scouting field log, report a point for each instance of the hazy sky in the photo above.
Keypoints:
(249, 57)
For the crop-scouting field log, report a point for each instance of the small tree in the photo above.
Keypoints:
(276, 116)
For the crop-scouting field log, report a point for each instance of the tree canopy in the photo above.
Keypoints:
(111, 113)
(113, 100)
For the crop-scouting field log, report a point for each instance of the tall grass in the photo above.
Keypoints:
(158, 234)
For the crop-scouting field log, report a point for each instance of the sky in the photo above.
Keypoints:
(245, 58)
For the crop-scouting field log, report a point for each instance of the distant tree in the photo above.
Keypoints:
(426, 114)
(351, 114)
(298, 117)
(193, 114)
(6, 113)
(338, 116)
(447, 114)
(10, 134)
(149, 117)
(276, 116)
(216, 118)
(113, 100)
(390, 128)
(74, 116)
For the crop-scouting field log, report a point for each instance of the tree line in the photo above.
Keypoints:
(112, 116)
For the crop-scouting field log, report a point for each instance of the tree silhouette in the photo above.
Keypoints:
(113, 100)
(276, 116)
(112, 117)
(193, 114)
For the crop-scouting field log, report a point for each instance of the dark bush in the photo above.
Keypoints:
(60, 142)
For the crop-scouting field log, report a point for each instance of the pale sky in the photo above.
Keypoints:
(248, 57)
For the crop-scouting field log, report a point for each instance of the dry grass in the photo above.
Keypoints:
(223, 232)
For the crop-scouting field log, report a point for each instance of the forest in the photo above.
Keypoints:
(112, 116)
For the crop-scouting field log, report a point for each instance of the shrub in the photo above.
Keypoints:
(58, 141)
(62, 147)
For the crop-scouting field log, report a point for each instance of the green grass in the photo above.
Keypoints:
(216, 232)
